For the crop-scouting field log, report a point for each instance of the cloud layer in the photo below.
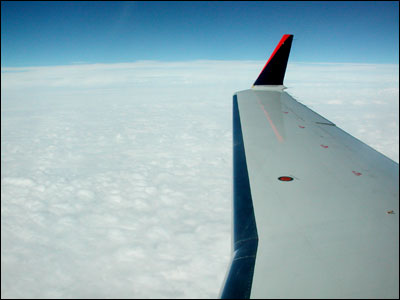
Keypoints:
(116, 179)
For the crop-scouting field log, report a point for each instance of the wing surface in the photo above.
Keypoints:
(315, 209)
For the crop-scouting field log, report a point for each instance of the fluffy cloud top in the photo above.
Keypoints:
(116, 179)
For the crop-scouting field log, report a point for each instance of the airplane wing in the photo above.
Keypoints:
(315, 210)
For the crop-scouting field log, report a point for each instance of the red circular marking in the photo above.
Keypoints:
(285, 178)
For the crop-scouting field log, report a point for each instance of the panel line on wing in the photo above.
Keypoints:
(323, 123)
(277, 134)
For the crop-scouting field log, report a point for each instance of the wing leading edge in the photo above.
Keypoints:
(315, 211)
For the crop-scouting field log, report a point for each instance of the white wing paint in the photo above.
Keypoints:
(331, 230)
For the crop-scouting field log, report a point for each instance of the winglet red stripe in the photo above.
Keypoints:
(283, 39)
(274, 70)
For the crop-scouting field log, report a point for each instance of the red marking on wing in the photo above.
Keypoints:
(278, 136)
(357, 173)
(301, 126)
(323, 146)
(285, 178)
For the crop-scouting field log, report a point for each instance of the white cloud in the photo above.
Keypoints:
(116, 179)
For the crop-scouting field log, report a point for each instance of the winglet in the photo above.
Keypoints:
(275, 68)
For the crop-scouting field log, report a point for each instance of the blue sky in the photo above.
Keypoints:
(62, 33)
